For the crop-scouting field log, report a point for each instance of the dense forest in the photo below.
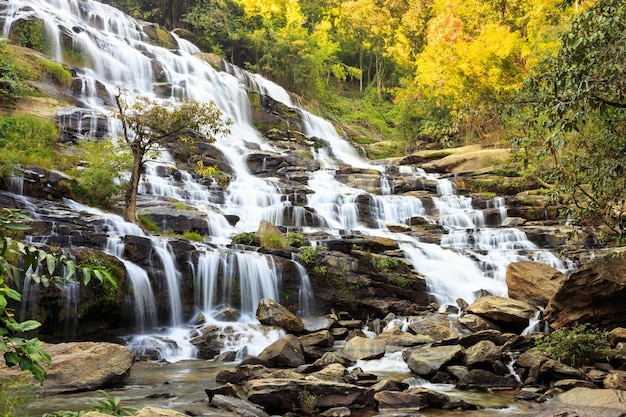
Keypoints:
(545, 77)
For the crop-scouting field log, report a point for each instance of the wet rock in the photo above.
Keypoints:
(482, 354)
(404, 339)
(278, 395)
(436, 326)
(533, 282)
(479, 379)
(365, 348)
(586, 402)
(272, 313)
(284, 353)
(399, 401)
(236, 405)
(433, 398)
(336, 412)
(593, 294)
(157, 412)
(208, 342)
(427, 360)
(322, 338)
(241, 374)
(83, 366)
(314, 324)
(506, 312)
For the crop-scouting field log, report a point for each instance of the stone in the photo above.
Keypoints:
(279, 395)
(479, 379)
(399, 401)
(533, 282)
(336, 412)
(593, 294)
(314, 324)
(427, 360)
(237, 405)
(434, 399)
(568, 384)
(614, 381)
(322, 338)
(436, 326)
(482, 354)
(403, 339)
(284, 353)
(86, 366)
(157, 412)
(365, 348)
(617, 335)
(505, 312)
(334, 372)
(269, 236)
(586, 402)
(272, 313)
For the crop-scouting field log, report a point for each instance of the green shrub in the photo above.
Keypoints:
(31, 34)
(27, 140)
(295, 239)
(195, 236)
(111, 405)
(148, 223)
(245, 238)
(385, 264)
(274, 242)
(309, 255)
(97, 186)
(10, 83)
(15, 394)
(307, 403)
(577, 346)
(56, 73)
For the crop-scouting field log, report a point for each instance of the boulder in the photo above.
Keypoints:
(403, 339)
(399, 401)
(479, 379)
(593, 294)
(586, 402)
(427, 360)
(506, 312)
(365, 348)
(615, 381)
(237, 406)
(271, 313)
(157, 412)
(323, 338)
(284, 353)
(533, 282)
(483, 353)
(279, 395)
(86, 366)
(436, 326)
(269, 236)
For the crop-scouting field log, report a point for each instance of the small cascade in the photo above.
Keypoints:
(306, 301)
(172, 280)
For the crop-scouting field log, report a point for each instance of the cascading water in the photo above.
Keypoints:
(470, 257)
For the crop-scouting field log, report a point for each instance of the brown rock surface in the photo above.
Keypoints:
(593, 294)
(533, 282)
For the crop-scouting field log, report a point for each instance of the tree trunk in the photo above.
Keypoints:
(130, 210)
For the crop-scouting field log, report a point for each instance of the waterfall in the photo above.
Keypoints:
(117, 53)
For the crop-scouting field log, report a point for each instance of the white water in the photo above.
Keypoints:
(470, 257)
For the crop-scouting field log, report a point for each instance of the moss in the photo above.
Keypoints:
(148, 223)
(194, 236)
(55, 73)
(245, 238)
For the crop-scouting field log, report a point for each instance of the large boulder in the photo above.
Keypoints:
(279, 395)
(533, 282)
(506, 312)
(271, 313)
(593, 294)
(86, 366)
(426, 360)
(586, 402)
(284, 353)
(481, 380)
(365, 348)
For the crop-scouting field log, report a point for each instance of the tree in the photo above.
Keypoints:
(149, 124)
(579, 96)
(28, 354)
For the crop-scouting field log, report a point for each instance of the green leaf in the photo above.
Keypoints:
(29, 325)
(51, 263)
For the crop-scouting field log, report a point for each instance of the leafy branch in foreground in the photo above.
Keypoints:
(19, 261)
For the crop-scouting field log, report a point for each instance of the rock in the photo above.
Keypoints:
(284, 353)
(427, 360)
(617, 335)
(434, 399)
(157, 412)
(279, 395)
(482, 354)
(586, 402)
(95, 414)
(506, 312)
(313, 324)
(615, 381)
(533, 282)
(269, 236)
(365, 348)
(479, 379)
(322, 338)
(593, 294)
(272, 313)
(242, 373)
(333, 372)
(436, 326)
(403, 339)
(399, 401)
(86, 366)
(236, 405)
(568, 384)
(336, 412)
